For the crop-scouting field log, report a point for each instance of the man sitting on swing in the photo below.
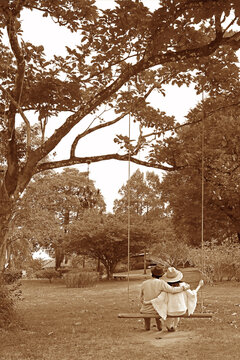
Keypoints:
(151, 289)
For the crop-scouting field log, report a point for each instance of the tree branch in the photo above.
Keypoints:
(218, 26)
(179, 126)
(12, 157)
(89, 131)
(101, 126)
(25, 119)
(130, 70)
(229, 25)
(109, 67)
(93, 159)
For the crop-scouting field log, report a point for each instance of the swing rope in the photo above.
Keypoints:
(129, 199)
(202, 200)
(195, 315)
(202, 196)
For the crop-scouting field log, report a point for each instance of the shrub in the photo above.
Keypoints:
(8, 298)
(220, 261)
(11, 276)
(237, 274)
(79, 279)
(6, 306)
(171, 252)
(49, 274)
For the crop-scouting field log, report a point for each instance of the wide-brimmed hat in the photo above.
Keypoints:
(157, 271)
(172, 275)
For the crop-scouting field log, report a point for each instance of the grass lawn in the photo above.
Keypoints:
(61, 323)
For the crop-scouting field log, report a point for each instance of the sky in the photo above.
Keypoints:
(109, 176)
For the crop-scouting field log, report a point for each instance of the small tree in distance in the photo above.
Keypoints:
(144, 195)
(105, 238)
(52, 201)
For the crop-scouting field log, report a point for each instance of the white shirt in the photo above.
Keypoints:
(175, 304)
(151, 289)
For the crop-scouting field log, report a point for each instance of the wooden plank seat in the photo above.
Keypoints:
(156, 316)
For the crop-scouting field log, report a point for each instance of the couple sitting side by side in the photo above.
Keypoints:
(165, 294)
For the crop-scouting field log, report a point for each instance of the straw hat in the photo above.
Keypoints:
(172, 275)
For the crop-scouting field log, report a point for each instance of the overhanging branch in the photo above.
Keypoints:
(179, 126)
(109, 123)
(148, 61)
(93, 159)
(90, 130)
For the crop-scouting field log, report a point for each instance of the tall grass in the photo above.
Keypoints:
(80, 279)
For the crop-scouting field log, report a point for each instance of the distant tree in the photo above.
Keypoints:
(105, 238)
(182, 190)
(50, 204)
(49, 274)
(148, 209)
(127, 44)
(144, 196)
(34, 265)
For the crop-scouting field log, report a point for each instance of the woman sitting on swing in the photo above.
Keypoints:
(175, 304)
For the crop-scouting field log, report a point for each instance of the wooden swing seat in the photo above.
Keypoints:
(156, 316)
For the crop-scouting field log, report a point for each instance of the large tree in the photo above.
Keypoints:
(105, 238)
(125, 45)
(209, 153)
(51, 203)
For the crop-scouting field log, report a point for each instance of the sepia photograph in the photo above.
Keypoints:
(119, 179)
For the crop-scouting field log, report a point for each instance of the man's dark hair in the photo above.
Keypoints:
(156, 276)
(157, 271)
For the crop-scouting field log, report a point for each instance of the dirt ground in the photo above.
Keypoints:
(71, 324)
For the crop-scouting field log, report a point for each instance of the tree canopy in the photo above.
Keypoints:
(123, 55)
(105, 238)
(210, 157)
(50, 204)
(142, 195)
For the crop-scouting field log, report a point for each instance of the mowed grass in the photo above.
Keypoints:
(64, 323)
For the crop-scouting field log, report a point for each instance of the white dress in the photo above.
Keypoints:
(175, 304)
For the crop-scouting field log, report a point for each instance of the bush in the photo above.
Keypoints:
(49, 274)
(6, 306)
(11, 276)
(237, 274)
(8, 298)
(172, 252)
(79, 279)
(121, 267)
(220, 261)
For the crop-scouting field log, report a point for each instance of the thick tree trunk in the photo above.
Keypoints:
(98, 265)
(238, 234)
(59, 256)
(6, 205)
(109, 269)
(2, 256)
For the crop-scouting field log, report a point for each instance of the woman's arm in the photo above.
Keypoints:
(174, 289)
(200, 284)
